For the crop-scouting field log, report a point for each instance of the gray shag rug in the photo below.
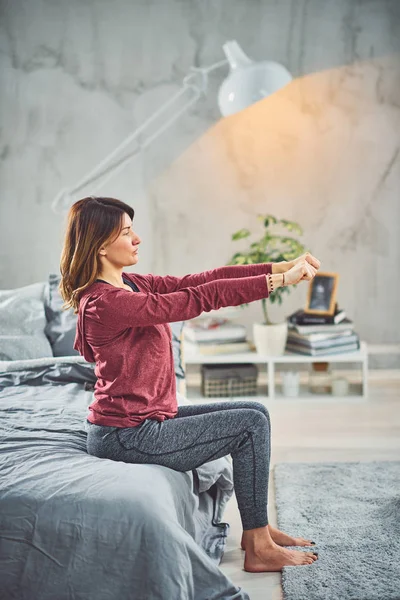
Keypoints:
(352, 512)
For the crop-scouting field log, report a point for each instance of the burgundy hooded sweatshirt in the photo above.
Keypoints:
(127, 335)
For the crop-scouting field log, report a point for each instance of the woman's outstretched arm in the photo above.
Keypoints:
(170, 283)
(119, 309)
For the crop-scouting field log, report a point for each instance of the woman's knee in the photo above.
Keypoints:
(261, 419)
(255, 418)
(261, 408)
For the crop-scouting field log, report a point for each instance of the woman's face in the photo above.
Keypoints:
(122, 252)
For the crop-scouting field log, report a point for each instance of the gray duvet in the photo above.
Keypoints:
(76, 527)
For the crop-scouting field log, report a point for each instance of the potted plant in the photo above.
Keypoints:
(270, 338)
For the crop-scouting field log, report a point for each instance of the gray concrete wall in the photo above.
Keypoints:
(77, 77)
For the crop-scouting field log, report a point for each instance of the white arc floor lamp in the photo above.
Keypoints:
(248, 82)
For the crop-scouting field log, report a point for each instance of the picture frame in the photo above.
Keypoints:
(321, 297)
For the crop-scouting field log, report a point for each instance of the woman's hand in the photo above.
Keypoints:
(301, 271)
(309, 258)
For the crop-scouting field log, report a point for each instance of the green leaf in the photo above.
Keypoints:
(242, 233)
(286, 224)
(297, 229)
(292, 226)
(269, 219)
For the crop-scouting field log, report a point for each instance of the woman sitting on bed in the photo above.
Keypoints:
(123, 327)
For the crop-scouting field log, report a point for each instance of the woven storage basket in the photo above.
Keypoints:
(235, 379)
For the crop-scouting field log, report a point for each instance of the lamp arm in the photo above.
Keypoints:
(115, 168)
(211, 68)
(65, 195)
(104, 168)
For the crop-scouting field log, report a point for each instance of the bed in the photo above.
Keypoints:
(73, 526)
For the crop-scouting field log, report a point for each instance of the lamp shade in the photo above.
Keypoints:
(248, 81)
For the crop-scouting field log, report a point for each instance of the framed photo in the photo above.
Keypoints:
(321, 298)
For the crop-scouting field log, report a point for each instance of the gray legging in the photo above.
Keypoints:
(199, 434)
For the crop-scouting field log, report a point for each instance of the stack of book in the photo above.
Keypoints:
(317, 335)
(210, 336)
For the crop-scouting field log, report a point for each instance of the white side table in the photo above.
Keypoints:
(359, 356)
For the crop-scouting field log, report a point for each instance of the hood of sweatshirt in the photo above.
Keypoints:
(80, 343)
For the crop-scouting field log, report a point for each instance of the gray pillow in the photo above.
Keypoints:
(22, 323)
(176, 329)
(61, 326)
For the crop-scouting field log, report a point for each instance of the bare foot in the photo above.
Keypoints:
(283, 539)
(275, 558)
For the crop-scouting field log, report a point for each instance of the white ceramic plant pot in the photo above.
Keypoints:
(270, 339)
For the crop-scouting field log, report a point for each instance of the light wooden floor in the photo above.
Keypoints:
(319, 431)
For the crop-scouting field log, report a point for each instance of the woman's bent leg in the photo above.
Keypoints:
(185, 443)
(189, 410)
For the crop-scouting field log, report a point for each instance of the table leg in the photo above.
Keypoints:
(271, 379)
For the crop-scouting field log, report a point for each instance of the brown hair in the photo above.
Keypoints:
(92, 222)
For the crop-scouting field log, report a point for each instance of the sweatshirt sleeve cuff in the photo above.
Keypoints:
(235, 271)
